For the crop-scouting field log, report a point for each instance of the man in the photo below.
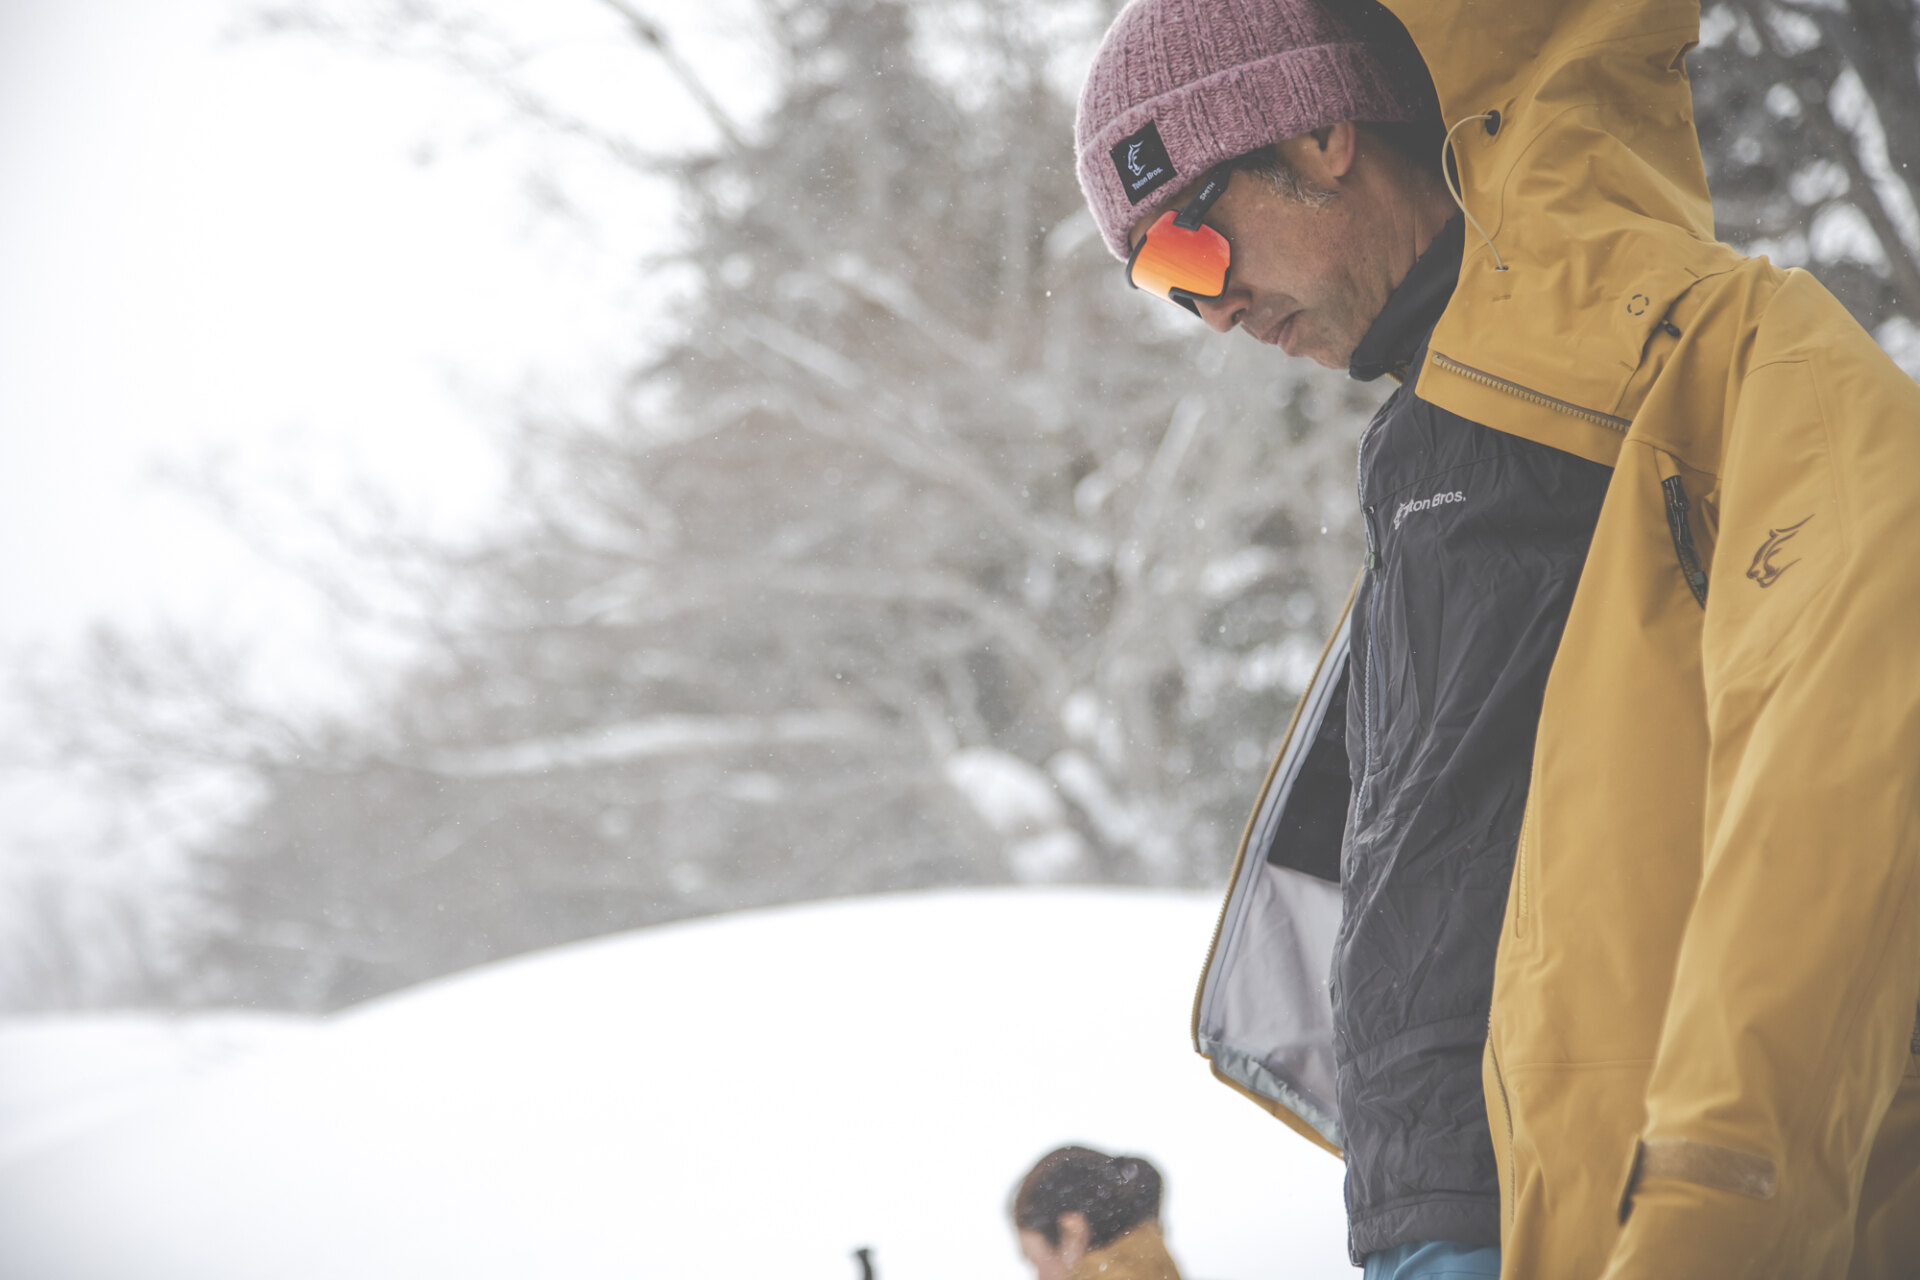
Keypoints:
(1701, 1058)
(1223, 137)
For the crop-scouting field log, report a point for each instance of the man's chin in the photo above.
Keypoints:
(1316, 349)
(1330, 351)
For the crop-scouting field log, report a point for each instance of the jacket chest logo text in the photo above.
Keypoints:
(1141, 160)
(1763, 570)
(1415, 505)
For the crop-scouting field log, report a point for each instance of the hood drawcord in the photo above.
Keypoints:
(1453, 189)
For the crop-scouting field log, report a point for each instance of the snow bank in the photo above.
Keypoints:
(749, 1096)
(62, 1076)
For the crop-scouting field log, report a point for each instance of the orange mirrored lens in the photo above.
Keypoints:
(1171, 257)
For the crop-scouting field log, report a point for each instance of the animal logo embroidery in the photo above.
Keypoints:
(1763, 570)
(1140, 160)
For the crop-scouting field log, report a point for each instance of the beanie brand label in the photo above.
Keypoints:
(1141, 160)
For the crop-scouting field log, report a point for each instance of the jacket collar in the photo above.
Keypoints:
(1401, 328)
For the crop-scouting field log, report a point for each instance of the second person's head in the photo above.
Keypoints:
(1076, 1200)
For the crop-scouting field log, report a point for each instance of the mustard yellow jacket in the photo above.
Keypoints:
(1701, 1051)
(1141, 1254)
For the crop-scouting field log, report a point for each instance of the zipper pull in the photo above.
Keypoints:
(1373, 550)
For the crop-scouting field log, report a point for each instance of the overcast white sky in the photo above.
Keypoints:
(317, 263)
(218, 245)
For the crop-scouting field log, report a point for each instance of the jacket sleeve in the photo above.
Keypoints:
(1792, 1012)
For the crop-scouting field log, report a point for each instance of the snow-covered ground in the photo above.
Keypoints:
(62, 1078)
(748, 1096)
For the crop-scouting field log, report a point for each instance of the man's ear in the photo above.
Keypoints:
(1076, 1233)
(1337, 144)
(1325, 156)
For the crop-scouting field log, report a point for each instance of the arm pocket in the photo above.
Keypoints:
(1690, 499)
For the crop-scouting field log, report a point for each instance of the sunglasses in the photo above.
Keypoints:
(1181, 259)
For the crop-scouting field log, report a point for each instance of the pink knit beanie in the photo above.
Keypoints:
(1180, 85)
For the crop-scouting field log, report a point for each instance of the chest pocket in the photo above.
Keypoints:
(1404, 608)
(1428, 610)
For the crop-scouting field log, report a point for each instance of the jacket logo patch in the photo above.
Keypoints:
(1413, 505)
(1763, 570)
(1141, 160)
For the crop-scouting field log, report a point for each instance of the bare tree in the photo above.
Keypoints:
(1809, 113)
(921, 553)
(918, 552)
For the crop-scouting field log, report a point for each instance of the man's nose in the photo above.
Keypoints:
(1221, 314)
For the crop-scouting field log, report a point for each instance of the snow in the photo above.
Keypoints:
(748, 1096)
(1056, 855)
(1009, 794)
(1019, 802)
(62, 1076)
(644, 739)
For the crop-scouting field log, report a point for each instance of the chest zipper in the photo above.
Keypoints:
(1607, 420)
(1522, 888)
(1369, 756)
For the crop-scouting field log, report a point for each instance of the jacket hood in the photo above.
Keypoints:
(1575, 148)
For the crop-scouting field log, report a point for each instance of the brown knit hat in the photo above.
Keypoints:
(1180, 85)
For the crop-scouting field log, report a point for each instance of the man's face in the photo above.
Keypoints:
(1307, 278)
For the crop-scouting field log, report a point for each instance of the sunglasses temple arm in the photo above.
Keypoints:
(1196, 210)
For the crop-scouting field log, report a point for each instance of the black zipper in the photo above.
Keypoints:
(1368, 666)
(1682, 532)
